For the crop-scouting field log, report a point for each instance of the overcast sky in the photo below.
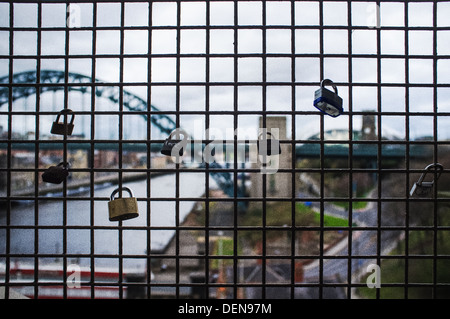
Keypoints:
(278, 40)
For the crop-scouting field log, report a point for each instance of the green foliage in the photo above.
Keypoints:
(330, 221)
(280, 214)
(223, 247)
(355, 204)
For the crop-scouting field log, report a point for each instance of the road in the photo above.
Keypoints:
(364, 243)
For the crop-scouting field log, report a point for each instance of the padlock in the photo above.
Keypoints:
(421, 188)
(63, 128)
(327, 101)
(170, 143)
(268, 146)
(122, 208)
(56, 174)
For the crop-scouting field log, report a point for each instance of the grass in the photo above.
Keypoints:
(328, 221)
(226, 245)
(420, 271)
(280, 214)
(355, 204)
(331, 221)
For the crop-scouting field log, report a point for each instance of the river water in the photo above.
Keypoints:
(105, 241)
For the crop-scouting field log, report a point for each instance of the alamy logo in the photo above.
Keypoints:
(74, 276)
(73, 16)
(374, 17)
(264, 152)
(374, 279)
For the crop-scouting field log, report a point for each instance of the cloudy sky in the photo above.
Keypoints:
(277, 40)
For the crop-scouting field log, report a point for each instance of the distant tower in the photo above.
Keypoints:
(368, 129)
(278, 184)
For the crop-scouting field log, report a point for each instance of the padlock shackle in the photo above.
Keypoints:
(267, 133)
(118, 189)
(66, 112)
(429, 167)
(329, 82)
(64, 164)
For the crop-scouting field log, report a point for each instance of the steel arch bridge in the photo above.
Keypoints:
(54, 80)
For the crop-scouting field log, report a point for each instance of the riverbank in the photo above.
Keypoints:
(81, 185)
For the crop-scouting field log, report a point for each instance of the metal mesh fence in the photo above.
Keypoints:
(349, 208)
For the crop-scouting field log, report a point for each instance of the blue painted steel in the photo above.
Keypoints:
(53, 80)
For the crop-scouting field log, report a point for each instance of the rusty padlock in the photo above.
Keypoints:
(422, 188)
(122, 208)
(56, 174)
(65, 127)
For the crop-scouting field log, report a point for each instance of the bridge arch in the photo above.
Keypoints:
(54, 80)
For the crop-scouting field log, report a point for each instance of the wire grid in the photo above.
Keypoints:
(295, 82)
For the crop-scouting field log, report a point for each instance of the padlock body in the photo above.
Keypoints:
(328, 102)
(55, 174)
(61, 128)
(422, 189)
(168, 146)
(268, 147)
(123, 208)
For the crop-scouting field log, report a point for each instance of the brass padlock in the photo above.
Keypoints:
(422, 188)
(122, 208)
(65, 127)
(268, 146)
(56, 174)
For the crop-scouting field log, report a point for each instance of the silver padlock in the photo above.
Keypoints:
(122, 208)
(328, 102)
(423, 188)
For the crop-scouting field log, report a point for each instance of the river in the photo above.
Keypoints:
(50, 215)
